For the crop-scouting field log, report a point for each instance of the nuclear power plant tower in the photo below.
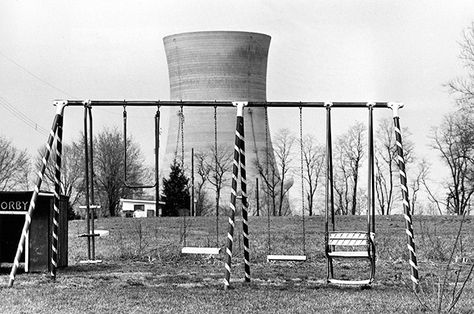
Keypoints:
(223, 66)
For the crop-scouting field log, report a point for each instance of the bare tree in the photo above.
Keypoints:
(386, 163)
(313, 168)
(203, 171)
(273, 174)
(14, 166)
(463, 88)
(416, 184)
(220, 165)
(282, 146)
(350, 152)
(72, 172)
(269, 174)
(109, 168)
(454, 140)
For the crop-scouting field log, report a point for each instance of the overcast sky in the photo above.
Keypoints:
(320, 51)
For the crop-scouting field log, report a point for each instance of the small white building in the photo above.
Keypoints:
(139, 208)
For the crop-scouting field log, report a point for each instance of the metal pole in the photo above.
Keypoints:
(94, 209)
(34, 197)
(406, 202)
(157, 161)
(250, 104)
(57, 193)
(233, 199)
(371, 192)
(329, 190)
(86, 163)
(371, 183)
(329, 174)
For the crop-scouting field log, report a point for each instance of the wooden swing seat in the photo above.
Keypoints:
(364, 282)
(349, 254)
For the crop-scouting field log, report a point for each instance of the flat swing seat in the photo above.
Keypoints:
(365, 282)
(201, 250)
(349, 254)
(289, 258)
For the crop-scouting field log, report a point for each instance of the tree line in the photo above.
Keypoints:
(452, 139)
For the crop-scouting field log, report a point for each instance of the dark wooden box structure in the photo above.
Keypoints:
(37, 252)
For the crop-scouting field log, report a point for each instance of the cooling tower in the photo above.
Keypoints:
(217, 65)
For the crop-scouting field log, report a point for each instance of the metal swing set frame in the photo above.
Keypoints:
(55, 137)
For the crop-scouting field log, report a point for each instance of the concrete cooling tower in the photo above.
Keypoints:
(217, 65)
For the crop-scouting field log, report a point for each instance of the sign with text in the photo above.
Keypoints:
(14, 201)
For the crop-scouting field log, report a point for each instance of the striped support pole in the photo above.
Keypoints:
(233, 199)
(34, 197)
(243, 181)
(57, 192)
(406, 205)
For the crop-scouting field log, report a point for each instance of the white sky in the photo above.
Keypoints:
(321, 50)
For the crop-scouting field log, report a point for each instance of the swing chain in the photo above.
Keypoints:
(266, 174)
(181, 115)
(216, 178)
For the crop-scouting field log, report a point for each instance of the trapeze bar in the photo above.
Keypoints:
(274, 104)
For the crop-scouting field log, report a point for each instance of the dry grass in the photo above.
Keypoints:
(143, 271)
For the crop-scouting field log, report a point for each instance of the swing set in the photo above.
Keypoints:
(338, 244)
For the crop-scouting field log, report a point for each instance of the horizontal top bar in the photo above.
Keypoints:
(275, 104)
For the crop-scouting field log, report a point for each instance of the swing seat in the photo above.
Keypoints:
(201, 250)
(351, 245)
(348, 245)
(365, 282)
(288, 258)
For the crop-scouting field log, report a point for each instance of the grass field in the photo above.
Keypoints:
(144, 272)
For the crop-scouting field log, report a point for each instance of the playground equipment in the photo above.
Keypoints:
(349, 244)
(238, 168)
(294, 258)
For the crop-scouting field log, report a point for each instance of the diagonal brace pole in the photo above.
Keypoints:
(26, 226)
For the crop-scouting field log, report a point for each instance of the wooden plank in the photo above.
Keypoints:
(201, 250)
(90, 261)
(349, 254)
(295, 258)
(350, 282)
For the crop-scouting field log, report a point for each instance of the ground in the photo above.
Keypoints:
(143, 271)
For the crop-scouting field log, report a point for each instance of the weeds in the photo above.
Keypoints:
(441, 290)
